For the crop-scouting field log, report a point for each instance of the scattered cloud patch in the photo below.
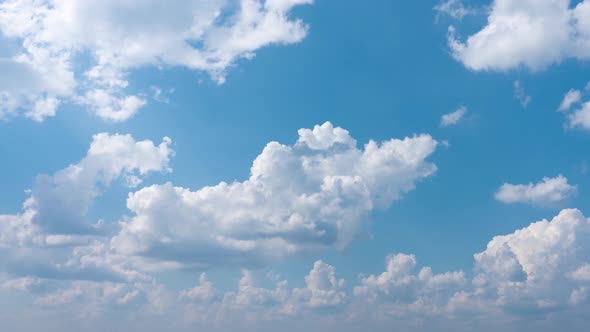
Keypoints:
(571, 98)
(521, 95)
(550, 191)
(453, 118)
(576, 106)
(453, 8)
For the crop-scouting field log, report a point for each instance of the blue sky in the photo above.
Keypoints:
(92, 229)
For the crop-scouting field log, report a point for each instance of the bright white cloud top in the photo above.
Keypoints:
(80, 52)
(300, 198)
(548, 192)
(528, 33)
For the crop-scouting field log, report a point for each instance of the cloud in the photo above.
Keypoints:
(571, 98)
(535, 276)
(453, 118)
(453, 8)
(549, 192)
(250, 302)
(110, 107)
(526, 33)
(60, 201)
(576, 107)
(52, 237)
(322, 288)
(534, 269)
(520, 94)
(300, 198)
(82, 52)
(399, 290)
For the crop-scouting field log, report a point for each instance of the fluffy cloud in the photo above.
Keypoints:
(302, 198)
(322, 292)
(454, 117)
(536, 275)
(399, 290)
(49, 37)
(578, 116)
(549, 192)
(529, 33)
(538, 268)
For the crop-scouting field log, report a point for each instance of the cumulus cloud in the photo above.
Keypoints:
(536, 275)
(453, 118)
(300, 198)
(322, 288)
(549, 192)
(537, 268)
(399, 290)
(113, 38)
(526, 33)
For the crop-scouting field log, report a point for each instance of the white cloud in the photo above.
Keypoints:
(453, 118)
(536, 274)
(529, 33)
(323, 289)
(530, 269)
(571, 98)
(582, 273)
(520, 94)
(454, 8)
(576, 116)
(204, 292)
(550, 191)
(404, 289)
(313, 195)
(52, 237)
(44, 107)
(110, 107)
(115, 37)
(580, 117)
(322, 292)
(60, 202)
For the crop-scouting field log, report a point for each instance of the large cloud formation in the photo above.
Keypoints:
(529, 33)
(81, 51)
(536, 277)
(312, 195)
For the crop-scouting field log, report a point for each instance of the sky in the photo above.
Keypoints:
(257, 165)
